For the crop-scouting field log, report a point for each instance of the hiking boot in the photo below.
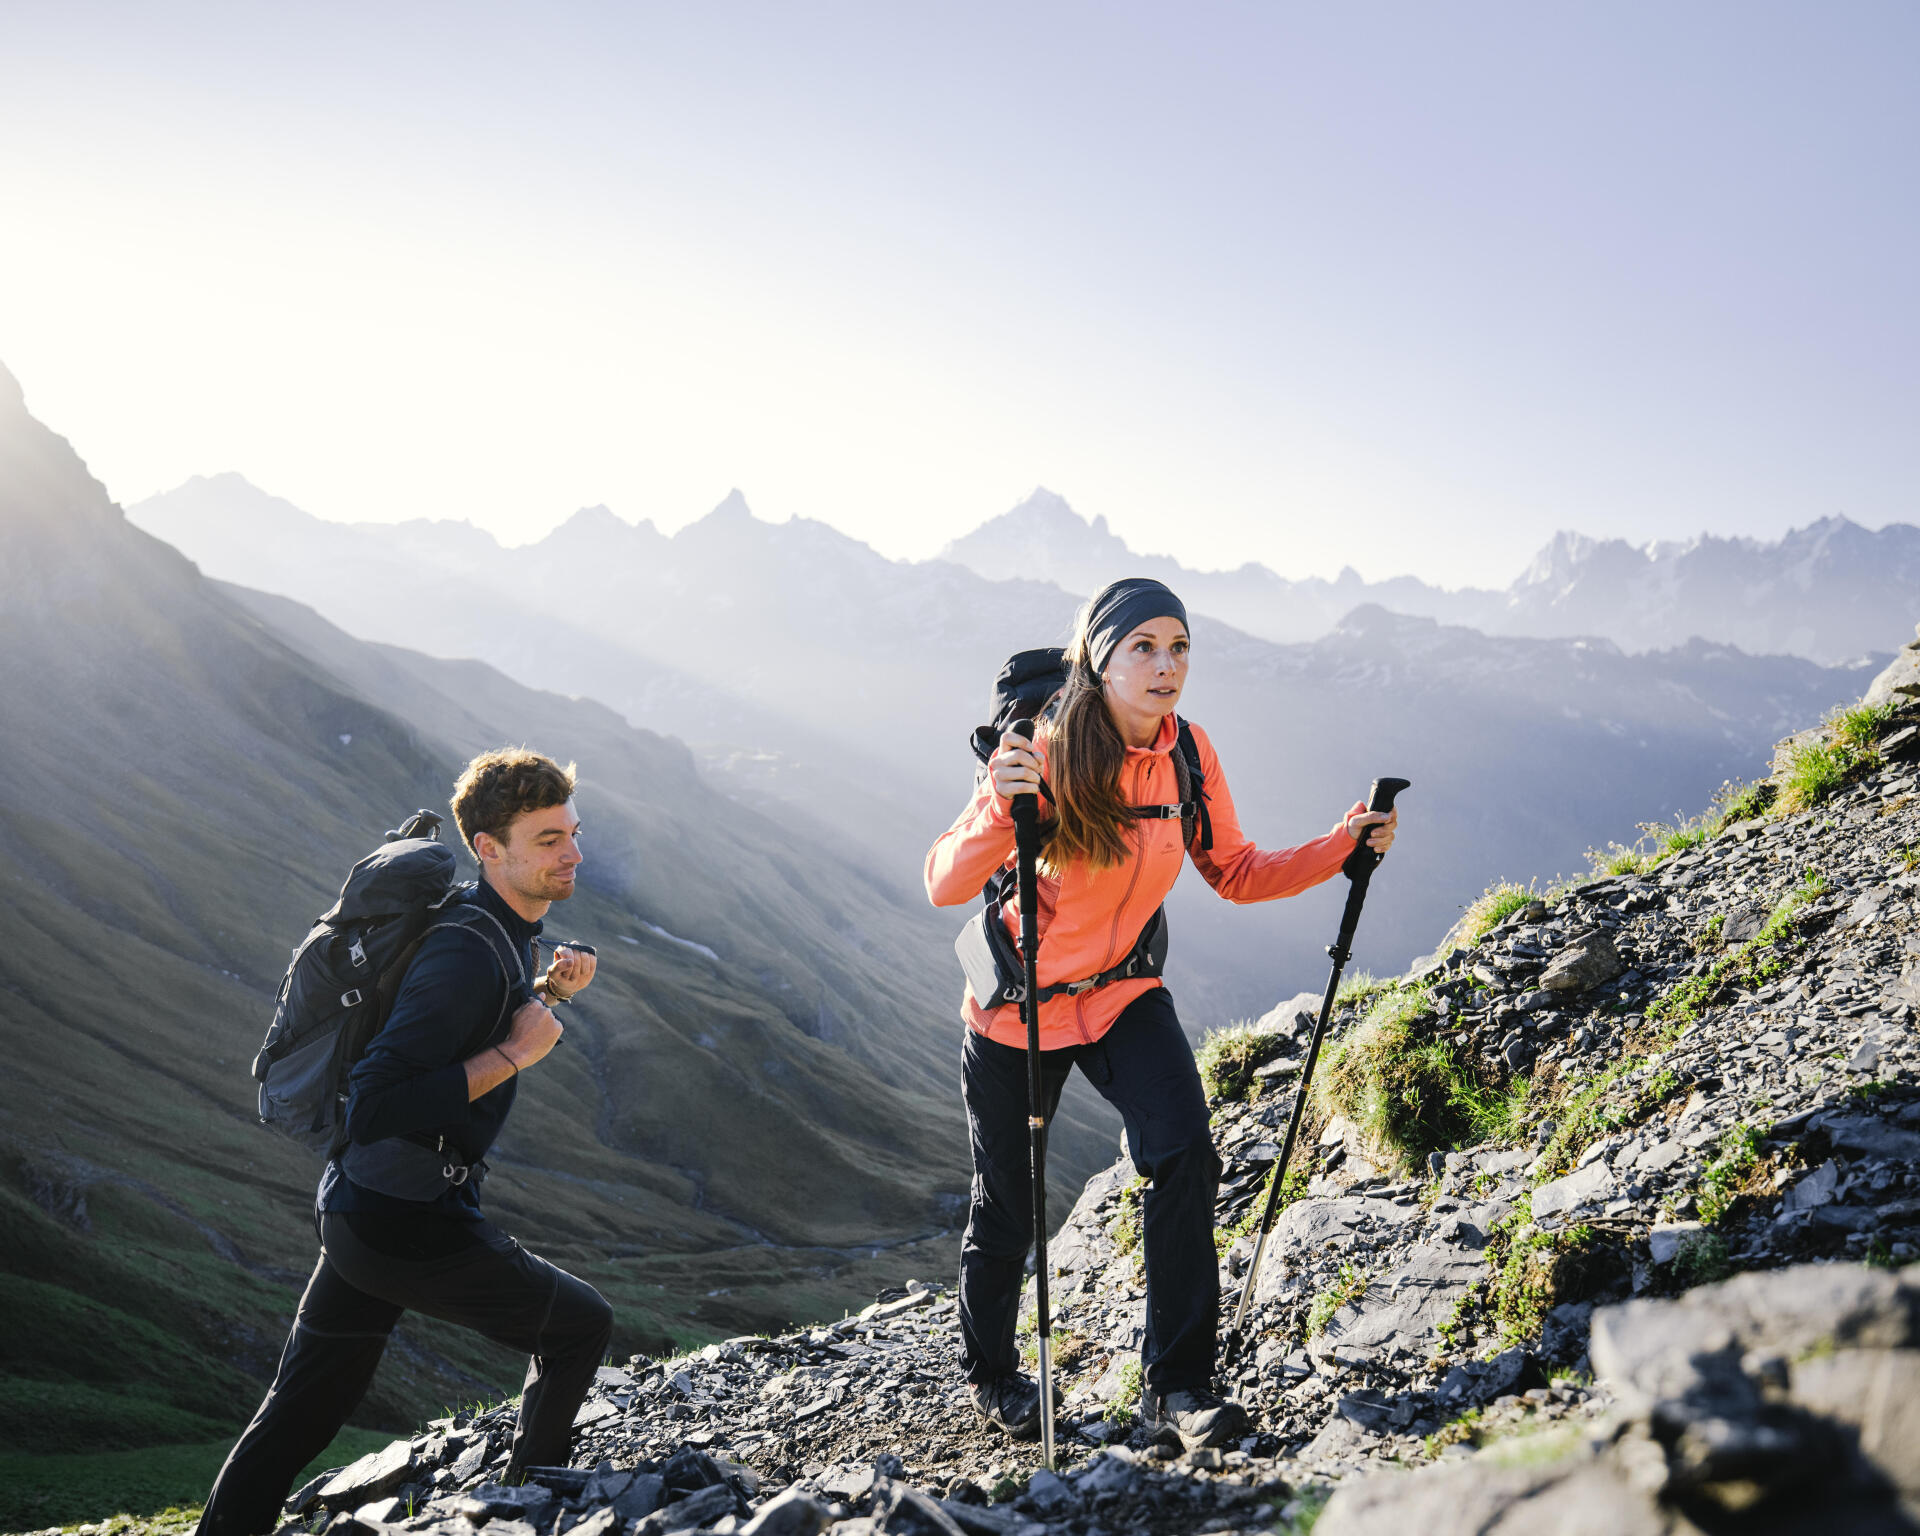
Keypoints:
(1196, 1417)
(1011, 1401)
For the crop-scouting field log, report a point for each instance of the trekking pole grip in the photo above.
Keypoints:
(1362, 862)
(1024, 807)
(1384, 790)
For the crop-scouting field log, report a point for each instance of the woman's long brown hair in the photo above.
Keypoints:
(1091, 821)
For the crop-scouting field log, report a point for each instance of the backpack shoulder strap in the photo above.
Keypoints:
(1192, 779)
(473, 919)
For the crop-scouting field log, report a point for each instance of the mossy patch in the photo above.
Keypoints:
(1587, 1108)
(1535, 1271)
(1124, 1227)
(1753, 963)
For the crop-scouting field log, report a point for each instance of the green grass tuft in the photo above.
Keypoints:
(1490, 909)
(1123, 1406)
(1742, 802)
(1348, 1286)
(1227, 1057)
(1411, 1090)
(1124, 1228)
(1720, 1184)
(1294, 1189)
(1361, 989)
(1862, 726)
(1819, 768)
(1702, 1259)
(1591, 1107)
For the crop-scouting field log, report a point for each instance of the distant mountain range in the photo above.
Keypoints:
(1832, 591)
(836, 687)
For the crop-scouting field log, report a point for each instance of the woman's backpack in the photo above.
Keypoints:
(1024, 689)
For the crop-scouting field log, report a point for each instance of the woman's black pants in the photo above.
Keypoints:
(489, 1284)
(1144, 1067)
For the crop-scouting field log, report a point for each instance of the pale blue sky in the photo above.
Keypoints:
(1405, 286)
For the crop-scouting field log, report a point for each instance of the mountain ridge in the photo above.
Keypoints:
(781, 651)
(1641, 596)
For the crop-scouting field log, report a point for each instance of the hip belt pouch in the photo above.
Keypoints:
(996, 977)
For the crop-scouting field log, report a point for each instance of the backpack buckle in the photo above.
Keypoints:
(356, 952)
(455, 1174)
(350, 999)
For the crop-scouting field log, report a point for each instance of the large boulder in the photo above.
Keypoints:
(1901, 679)
(1784, 1402)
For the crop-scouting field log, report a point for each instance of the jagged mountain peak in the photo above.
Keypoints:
(732, 508)
(599, 524)
(1041, 503)
(12, 396)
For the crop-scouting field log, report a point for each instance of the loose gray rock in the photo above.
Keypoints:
(1584, 964)
(695, 1510)
(1583, 1187)
(373, 1476)
(790, 1513)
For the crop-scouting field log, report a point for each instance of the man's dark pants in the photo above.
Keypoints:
(1144, 1067)
(489, 1284)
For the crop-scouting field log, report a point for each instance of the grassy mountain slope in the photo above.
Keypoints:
(720, 1144)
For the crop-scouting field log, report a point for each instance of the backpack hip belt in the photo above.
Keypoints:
(996, 977)
(410, 1170)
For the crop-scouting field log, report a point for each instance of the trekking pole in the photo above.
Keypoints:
(1358, 869)
(1026, 838)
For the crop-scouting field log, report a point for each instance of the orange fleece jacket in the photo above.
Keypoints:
(1089, 919)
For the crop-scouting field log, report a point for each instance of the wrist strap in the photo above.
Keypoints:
(507, 1059)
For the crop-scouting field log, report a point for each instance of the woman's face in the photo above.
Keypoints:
(1145, 676)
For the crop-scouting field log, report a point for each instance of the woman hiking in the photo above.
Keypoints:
(1112, 848)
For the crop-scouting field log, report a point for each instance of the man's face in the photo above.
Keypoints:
(537, 855)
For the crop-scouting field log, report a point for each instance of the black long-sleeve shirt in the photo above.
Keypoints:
(412, 1080)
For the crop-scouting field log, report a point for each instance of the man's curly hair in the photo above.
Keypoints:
(498, 785)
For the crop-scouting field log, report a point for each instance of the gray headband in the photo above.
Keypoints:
(1122, 608)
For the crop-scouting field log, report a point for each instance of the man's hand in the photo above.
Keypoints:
(533, 1033)
(570, 972)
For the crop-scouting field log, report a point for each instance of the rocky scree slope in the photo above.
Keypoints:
(1663, 1292)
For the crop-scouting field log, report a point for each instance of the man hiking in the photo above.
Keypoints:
(398, 1209)
(1119, 820)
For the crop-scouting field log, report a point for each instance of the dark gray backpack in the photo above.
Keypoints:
(346, 973)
